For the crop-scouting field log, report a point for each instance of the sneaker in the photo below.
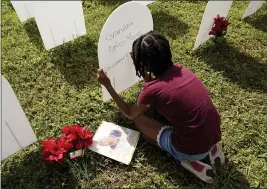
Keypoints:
(201, 170)
(217, 157)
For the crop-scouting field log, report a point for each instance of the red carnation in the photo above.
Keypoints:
(85, 133)
(74, 138)
(73, 129)
(65, 143)
(52, 151)
(219, 26)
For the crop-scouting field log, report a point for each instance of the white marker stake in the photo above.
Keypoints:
(124, 25)
(213, 8)
(59, 21)
(16, 129)
(144, 2)
(24, 9)
(252, 8)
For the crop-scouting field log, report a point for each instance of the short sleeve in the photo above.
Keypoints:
(146, 97)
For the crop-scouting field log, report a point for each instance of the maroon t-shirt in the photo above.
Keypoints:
(184, 101)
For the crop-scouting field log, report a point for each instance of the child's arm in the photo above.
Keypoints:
(129, 111)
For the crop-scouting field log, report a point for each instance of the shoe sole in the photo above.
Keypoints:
(208, 173)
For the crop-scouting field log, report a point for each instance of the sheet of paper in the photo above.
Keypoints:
(115, 142)
(144, 2)
(124, 25)
(59, 21)
(213, 8)
(16, 129)
(24, 9)
(252, 8)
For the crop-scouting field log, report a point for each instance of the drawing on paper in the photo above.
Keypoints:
(112, 140)
(115, 142)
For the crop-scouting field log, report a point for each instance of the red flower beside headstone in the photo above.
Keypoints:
(219, 27)
(74, 138)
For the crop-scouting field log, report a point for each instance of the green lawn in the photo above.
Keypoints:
(59, 87)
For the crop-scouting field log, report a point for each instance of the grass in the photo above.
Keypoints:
(59, 87)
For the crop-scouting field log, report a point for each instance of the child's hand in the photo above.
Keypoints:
(102, 78)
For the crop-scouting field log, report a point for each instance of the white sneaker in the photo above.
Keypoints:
(201, 170)
(217, 157)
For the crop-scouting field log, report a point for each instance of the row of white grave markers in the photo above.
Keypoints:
(119, 32)
(16, 132)
(222, 8)
(63, 21)
(58, 21)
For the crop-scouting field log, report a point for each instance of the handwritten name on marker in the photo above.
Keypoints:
(113, 34)
(130, 36)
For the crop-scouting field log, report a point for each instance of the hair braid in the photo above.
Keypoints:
(151, 52)
(137, 56)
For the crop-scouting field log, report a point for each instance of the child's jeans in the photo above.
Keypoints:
(164, 141)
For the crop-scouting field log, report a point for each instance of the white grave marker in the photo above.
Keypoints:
(213, 8)
(24, 9)
(144, 2)
(16, 129)
(124, 25)
(252, 8)
(59, 21)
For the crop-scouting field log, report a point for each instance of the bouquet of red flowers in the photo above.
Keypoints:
(74, 139)
(219, 26)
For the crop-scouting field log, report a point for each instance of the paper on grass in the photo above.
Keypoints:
(252, 8)
(59, 21)
(213, 8)
(124, 25)
(115, 142)
(24, 9)
(16, 129)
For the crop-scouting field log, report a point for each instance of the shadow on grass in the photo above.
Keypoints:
(31, 172)
(169, 25)
(77, 61)
(239, 67)
(258, 22)
(111, 2)
(227, 177)
(32, 31)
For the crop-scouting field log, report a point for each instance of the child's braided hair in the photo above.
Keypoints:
(151, 52)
